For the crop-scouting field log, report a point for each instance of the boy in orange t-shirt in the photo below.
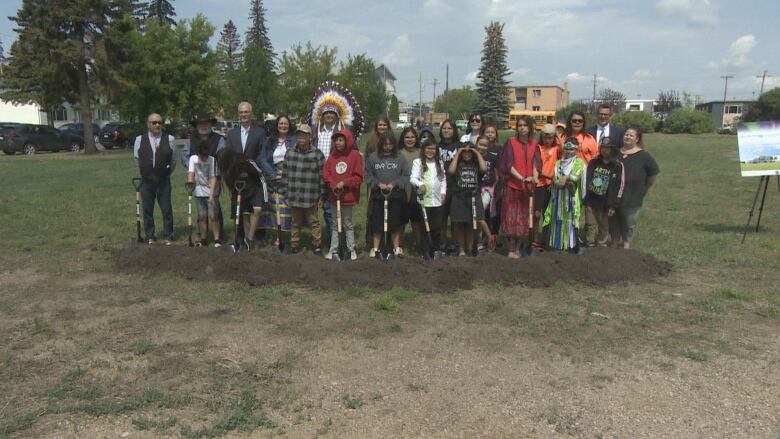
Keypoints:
(550, 152)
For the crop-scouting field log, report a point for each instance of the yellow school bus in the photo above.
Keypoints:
(540, 118)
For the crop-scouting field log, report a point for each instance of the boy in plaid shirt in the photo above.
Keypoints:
(305, 187)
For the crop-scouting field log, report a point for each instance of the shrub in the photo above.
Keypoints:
(642, 119)
(686, 120)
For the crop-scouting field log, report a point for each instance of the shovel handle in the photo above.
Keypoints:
(136, 183)
(190, 186)
(239, 185)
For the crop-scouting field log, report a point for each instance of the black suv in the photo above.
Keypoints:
(117, 135)
(77, 128)
(30, 139)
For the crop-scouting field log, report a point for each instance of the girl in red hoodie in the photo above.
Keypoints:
(343, 174)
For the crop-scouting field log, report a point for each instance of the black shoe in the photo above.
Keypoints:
(295, 250)
(317, 251)
(451, 249)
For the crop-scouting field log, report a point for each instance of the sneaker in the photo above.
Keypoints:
(398, 251)
(437, 255)
(451, 249)
(513, 255)
(492, 242)
(372, 253)
(168, 242)
(295, 250)
(217, 243)
(329, 256)
(461, 254)
(481, 250)
(202, 243)
(352, 256)
(334, 257)
(317, 251)
(150, 241)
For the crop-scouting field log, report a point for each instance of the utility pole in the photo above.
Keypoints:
(593, 102)
(447, 91)
(420, 103)
(433, 106)
(725, 89)
(763, 79)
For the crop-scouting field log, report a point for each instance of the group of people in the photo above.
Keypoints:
(567, 188)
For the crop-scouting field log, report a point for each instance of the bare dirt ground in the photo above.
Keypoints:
(170, 348)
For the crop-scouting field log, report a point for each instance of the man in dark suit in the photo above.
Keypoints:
(247, 138)
(604, 128)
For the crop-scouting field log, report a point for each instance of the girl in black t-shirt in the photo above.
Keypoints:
(466, 206)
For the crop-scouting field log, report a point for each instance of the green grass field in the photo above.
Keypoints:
(86, 351)
(760, 167)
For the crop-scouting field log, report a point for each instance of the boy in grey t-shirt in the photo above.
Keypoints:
(203, 172)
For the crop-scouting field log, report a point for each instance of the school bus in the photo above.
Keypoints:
(540, 118)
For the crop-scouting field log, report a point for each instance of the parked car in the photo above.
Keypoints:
(117, 135)
(77, 128)
(30, 139)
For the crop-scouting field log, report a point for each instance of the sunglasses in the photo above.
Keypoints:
(577, 120)
(155, 122)
(476, 120)
(603, 114)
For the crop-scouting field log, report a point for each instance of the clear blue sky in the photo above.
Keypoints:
(637, 47)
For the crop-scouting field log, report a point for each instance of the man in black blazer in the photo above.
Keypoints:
(247, 138)
(604, 128)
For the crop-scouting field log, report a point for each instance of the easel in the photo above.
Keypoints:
(765, 182)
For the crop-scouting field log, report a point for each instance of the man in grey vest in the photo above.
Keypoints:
(155, 154)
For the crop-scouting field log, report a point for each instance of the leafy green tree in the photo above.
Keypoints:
(492, 88)
(642, 119)
(229, 63)
(458, 102)
(767, 107)
(615, 99)
(357, 74)
(686, 120)
(392, 111)
(54, 56)
(303, 69)
(196, 81)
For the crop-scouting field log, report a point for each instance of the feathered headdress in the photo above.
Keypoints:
(332, 96)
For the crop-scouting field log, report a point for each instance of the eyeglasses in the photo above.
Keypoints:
(476, 120)
(577, 120)
(155, 122)
(604, 114)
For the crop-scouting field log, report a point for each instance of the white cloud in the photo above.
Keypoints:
(400, 52)
(696, 12)
(738, 56)
(579, 77)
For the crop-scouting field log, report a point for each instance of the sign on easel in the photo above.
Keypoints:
(759, 148)
(759, 156)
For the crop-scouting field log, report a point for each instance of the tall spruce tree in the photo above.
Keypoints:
(162, 10)
(257, 35)
(229, 48)
(492, 88)
(53, 59)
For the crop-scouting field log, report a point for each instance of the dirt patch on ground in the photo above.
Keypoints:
(598, 267)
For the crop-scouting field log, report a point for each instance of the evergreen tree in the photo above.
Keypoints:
(229, 48)
(53, 59)
(392, 111)
(257, 35)
(162, 10)
(492, 88)
(254, 82)
(357, 74)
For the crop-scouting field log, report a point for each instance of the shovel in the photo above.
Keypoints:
(137, 185)
(278, 247)
(190, 189)
(341, 253)
(388, 255)
(428, 252)
(238, 186)
(531, 250)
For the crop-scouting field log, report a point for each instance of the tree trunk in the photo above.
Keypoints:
(85, 103)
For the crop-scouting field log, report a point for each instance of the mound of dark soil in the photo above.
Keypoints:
(598, 267)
